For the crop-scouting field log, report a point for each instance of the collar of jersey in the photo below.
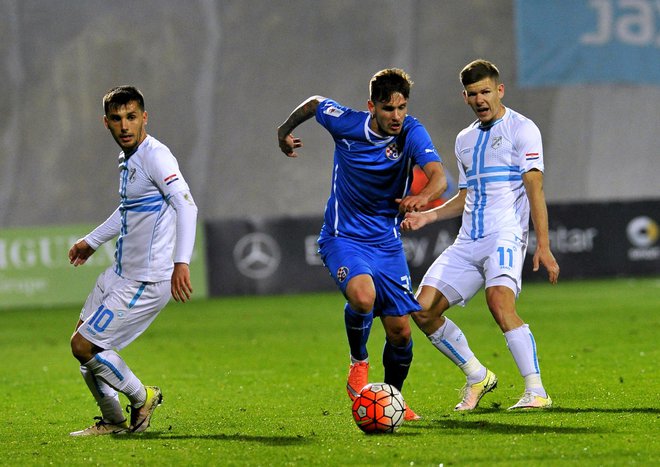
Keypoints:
(368, 133)
(492, 124)
(124, 158)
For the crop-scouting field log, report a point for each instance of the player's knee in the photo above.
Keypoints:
(362, 301)
(428, 320)
(430, 317)
(421, 317)
(361, 293)
(399, 335)
(81, 348)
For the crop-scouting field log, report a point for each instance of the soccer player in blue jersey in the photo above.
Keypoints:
(360, 241)
(500, 163)
(155, 224)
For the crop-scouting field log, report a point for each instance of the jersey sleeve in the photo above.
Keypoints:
(163, 169)
(462, 178)
(529, 146)
(186, 225)
(340, 121)
(421, 146)
(104, 232)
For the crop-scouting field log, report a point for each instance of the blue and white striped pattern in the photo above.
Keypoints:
(479, 176)
(144, 205)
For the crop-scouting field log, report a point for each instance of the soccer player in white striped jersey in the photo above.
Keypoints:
(155, 224)
(500, 163)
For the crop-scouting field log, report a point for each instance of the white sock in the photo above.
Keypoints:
(451, 341)
(355, 360)
(111, 368)
(106, 397)
(474, 371)
(533, 383)
(522, 346)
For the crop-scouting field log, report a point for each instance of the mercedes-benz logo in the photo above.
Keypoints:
(257, 255)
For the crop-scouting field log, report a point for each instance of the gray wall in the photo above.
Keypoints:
(219, 76)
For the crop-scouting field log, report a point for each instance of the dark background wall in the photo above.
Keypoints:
(219, 76)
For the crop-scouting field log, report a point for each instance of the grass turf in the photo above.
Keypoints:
(260, 381)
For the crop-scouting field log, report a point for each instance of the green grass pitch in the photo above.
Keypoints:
(261, 381)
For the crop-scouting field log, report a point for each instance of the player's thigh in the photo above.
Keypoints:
(455, 274)
(394, 294)
(345, 260)
(505, 256)
(125, 312)
(104, 283)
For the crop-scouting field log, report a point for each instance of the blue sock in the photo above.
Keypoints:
(358, 327)
(396, 361)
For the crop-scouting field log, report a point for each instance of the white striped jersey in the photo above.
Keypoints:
(491, 161)
(147, 180)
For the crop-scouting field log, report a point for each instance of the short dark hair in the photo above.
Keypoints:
(387, 82)
(478, 70)
(122, 95)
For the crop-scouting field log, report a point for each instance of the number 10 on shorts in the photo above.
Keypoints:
(100, 319)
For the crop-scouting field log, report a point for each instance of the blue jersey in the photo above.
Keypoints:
(369, 172)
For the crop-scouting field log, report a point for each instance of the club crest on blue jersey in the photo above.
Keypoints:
(392, 152)
(342, 273)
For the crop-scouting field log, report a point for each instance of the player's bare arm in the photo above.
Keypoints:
(80, 252)
(436, 185)
(533, 181)
(181, 285)
(452, 208)
(306, 110)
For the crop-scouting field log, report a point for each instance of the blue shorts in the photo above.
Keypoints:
(385, 263)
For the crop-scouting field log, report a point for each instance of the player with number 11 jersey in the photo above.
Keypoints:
(491, 161)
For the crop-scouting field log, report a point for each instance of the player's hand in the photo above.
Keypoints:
(412, 203)
(80, 252)
(543, 256)
(181, 286)
(413, 221)
(289, 144)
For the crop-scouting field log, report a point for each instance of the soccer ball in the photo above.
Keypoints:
(379, 408)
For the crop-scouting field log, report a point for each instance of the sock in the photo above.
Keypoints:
(474, 371)
(109, 367)
(106, 397)
(358, 327)
(522, 346)
(450, 340)
(396, 361)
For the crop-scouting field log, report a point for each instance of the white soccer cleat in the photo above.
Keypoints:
(472, 393)
(529, 400)
(103, 428)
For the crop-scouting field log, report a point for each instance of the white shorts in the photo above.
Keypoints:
(119, 310)
(467, 265)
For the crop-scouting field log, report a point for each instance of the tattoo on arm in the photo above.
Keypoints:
(302, 113)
